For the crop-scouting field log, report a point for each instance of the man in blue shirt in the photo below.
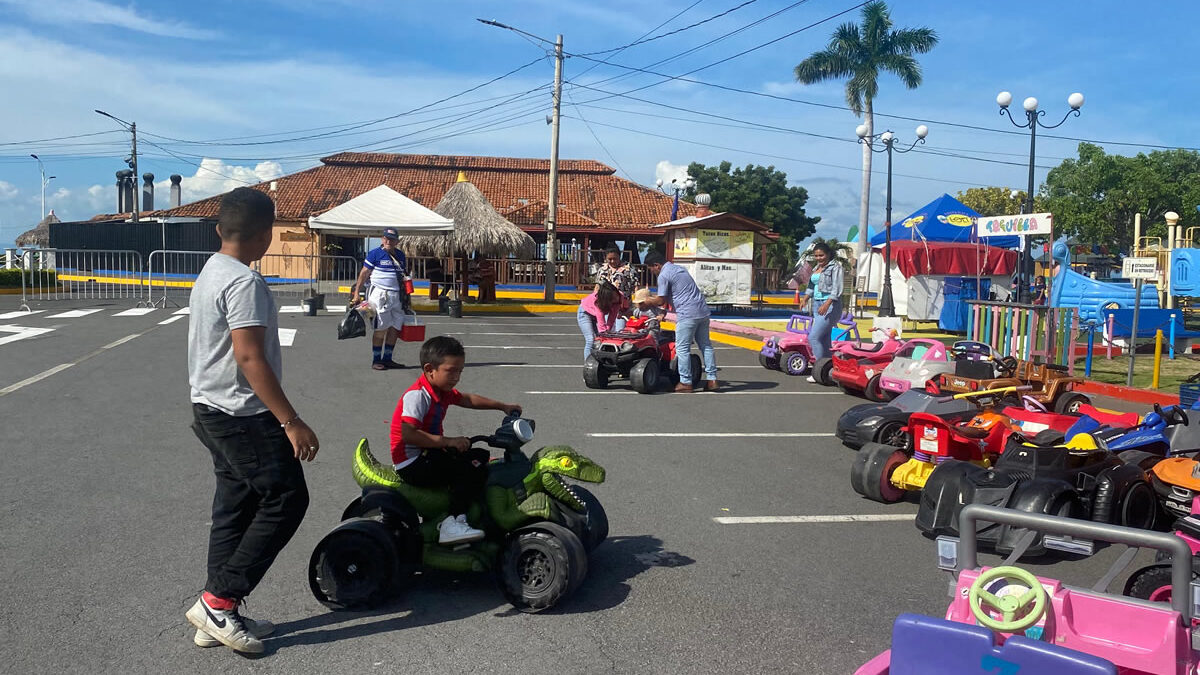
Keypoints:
(677, 288)
(385, 268)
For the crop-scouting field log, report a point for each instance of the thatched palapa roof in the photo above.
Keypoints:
(39, 235)
(478, 228)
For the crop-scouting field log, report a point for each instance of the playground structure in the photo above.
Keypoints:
(1027, 332)
(1070, 289)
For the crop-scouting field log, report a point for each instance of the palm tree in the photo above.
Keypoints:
(843, 251)
(857, 54)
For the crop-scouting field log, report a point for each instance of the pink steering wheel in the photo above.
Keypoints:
(1034, 405)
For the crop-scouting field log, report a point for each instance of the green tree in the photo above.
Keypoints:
(761, 193)
(1096, 196)
(857, 54)
(997, 201)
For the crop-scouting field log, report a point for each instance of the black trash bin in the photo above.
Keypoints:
(454, 308)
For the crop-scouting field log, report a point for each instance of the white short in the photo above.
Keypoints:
(389, 310)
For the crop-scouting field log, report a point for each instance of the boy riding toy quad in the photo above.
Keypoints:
(646, 357)
(1006, 620)
(539, 528)
(790, 351)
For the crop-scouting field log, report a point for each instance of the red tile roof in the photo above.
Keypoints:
(591, 196)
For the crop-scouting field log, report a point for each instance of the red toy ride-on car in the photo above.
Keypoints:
(857, 366)
(646, 357)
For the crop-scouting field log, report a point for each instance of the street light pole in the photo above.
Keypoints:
(133, 157)
(45, 182)
(1032, 122)
(552, 209)
(887, 305)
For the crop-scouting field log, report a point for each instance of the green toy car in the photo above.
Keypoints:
(539, 528)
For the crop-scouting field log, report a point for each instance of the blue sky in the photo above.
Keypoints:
(221, 69)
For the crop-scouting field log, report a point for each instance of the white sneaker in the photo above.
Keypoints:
(455, 530)
(259, 629)
(810, 378)
(225, 626)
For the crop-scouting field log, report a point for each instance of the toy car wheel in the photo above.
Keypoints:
(644, 376)
(596, 529)
(821, 371)
(859, 467)
(1151, 583)
(797, 364)
(874, 391)
(1068, 404)
(697, 367)
(1139, 506)
(354, 566)
(541, 564)
(892, 433)
(768, 362)
(594, 374)
(881, 461)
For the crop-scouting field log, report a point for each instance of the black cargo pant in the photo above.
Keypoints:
(260, 499)
(464, 473)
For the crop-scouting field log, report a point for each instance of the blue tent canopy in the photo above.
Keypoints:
(943, 219)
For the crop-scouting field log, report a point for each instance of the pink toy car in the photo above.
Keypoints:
(917, 362)
(790, 351)
(1007, 620)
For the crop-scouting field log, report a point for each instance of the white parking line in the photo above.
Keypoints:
(763, 520)
(722, 434)
(74, 314)
(171, 319)
(30, 380)
(21, 333)
(122, 341)
(765, 392)
(20, 313)
(136, 311)
(184, 311)
(287, 337)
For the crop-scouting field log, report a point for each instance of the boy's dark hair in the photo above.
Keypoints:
(245, 214)
(438, 349)
(655, 258)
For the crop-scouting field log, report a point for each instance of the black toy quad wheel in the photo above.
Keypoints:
(768, 362)
(354, 566)
(797, 363)
(892, 433)
(401, 519)
(595, 529)
(541, 564)
(644, 376)
(1068, 404)
(1151, 583)
(877, 464)
(595, 375)
(1138, 507)
(821, 371)
(874, 391)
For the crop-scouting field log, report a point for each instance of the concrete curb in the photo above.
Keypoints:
(1131, 394)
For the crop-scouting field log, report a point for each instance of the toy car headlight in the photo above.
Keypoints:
(872, 421)
(626, 346)
(947, 553)
(523, 430)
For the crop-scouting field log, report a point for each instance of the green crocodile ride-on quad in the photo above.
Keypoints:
(539, 528)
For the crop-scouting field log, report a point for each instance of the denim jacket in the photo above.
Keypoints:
(830, 284)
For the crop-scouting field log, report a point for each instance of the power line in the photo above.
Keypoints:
(62, 138)
(593, 133)
(640, 41)
(683, 11)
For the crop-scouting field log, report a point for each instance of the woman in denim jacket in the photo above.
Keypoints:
(827, 284)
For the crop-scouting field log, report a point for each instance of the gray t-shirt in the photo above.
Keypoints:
(228, 295)
(679, 288)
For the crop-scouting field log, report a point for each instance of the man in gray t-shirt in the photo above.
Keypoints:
(240, 413)
(677, 288)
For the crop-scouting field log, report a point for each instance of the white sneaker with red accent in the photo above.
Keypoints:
(455, 530)
(225, 626)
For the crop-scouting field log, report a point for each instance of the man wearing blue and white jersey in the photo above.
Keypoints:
(385, 268)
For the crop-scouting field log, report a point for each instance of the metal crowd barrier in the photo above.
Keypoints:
(76, 274)
(294, 278)
(170, 276)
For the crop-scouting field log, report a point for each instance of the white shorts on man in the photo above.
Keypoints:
(389, 308)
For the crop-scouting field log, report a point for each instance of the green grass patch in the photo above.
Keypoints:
(1173, 372)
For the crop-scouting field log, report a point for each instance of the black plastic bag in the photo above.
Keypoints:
(352, 325)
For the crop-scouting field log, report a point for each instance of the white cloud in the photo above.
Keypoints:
(94, 12)
(214, 177)
(666, 172)
(7, 191)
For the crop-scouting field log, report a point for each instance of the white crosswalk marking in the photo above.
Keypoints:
(74, 314)
(136, 311)
(20, 314)
(185, 310)
(15, 333)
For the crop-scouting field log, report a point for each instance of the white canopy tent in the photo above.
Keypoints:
(367, 214)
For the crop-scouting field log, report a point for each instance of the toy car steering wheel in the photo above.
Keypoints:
(1033, 405)
(1008, 364)
(1176, 416)
(1032, 601)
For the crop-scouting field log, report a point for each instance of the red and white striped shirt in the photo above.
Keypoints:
(425, 409)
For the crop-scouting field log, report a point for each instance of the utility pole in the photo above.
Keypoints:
(552, 209)
(132, 159)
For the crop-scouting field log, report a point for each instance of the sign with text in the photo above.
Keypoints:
(1033, 223)
(1139, 268)
(723, 283)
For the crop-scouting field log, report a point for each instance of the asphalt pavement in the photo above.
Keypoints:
(104, 510)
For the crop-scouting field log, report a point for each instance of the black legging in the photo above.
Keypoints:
(464, 473)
